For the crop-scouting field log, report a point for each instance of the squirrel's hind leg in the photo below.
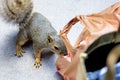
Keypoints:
(21, 40)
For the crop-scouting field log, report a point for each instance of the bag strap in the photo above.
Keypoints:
(65, 31)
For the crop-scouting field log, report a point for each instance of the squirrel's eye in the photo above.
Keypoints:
(56, 48)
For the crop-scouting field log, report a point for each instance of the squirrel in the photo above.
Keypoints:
(33, 27)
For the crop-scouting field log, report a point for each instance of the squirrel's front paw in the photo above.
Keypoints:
(19, 53)
(37, 63)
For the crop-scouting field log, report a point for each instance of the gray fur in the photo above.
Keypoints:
(34, 27)
(39, 28)
(17, 14)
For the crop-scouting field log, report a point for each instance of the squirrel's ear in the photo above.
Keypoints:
(50, 39)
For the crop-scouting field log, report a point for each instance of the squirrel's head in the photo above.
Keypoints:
(56, 44)
(17, 10)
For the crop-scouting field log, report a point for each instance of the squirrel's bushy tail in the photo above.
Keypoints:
(18, 11)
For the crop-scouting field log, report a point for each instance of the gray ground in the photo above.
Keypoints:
(59, 12)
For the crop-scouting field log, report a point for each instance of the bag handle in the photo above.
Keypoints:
(65, 31)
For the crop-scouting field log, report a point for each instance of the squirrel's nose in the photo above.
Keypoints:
(65, 54)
